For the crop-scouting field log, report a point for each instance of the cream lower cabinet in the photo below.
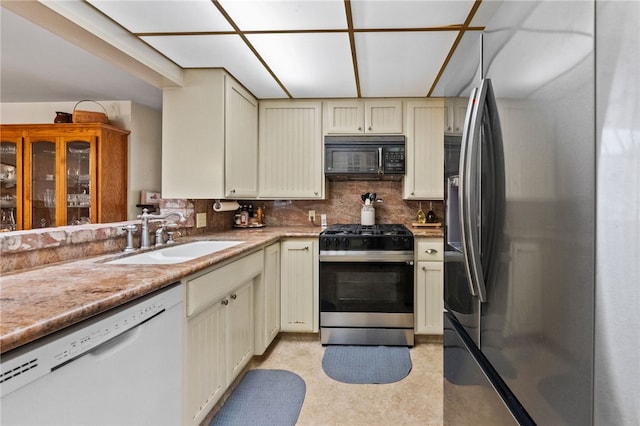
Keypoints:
(424, 179)
(299, 285)
(219, 332)
(290, 145)
(267, 300)
(429, 286)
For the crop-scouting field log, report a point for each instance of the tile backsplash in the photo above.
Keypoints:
(343, 205)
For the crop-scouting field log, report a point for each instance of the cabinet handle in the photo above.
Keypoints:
(233, 191)
(359, 127)
(369, 127)
(424, 268)
(234, 296)
(431, 251)
(225, 302)
(315, 192)
(304, 248)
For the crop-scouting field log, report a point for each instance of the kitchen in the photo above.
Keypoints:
(342, 196)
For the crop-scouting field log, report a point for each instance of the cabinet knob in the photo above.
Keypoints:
(431, 251)
(234, 296)
(359, 128)
(413, 193)
(369, 127)
(225, 302)
(315, 192)
(424, 268)
(233, 191)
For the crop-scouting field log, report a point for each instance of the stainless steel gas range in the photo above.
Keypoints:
(366, 285)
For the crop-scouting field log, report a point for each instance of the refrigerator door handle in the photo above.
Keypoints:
(471, 207)
(463, 183)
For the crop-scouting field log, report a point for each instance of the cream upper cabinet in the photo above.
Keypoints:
(209, 117)
(363, 116)
(455, 110)
(241, 142)
(424, 177)
(290, 146)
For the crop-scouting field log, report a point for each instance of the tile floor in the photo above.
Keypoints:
(415, 400)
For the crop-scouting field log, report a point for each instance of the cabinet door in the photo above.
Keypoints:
(193, 136)
(290, 147)
(299, 273)
(240, 324)
(43, 185)
(429, 298)
(80, 172)
(267, 306)
(205, 362)
(459, 115)
(383, 116)
(425, 150)
(344, 116)
(241, 141)
(11, 181)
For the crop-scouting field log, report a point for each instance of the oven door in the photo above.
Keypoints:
(371, 285)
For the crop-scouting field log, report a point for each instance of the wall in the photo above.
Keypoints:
(145, 141)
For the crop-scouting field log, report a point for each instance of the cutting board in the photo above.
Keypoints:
(426, 225)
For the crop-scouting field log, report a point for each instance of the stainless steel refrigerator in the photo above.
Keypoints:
(525, 331)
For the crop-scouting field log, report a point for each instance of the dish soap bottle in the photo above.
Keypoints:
(420, 216)
(431, 216)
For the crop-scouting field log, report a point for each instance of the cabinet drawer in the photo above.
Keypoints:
(206, 289)
(430, 249)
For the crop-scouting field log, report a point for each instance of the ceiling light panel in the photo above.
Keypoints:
(369, 14)
(263, 15)
(310, 64)
(219, 51)
(401, 63)
(164, 16)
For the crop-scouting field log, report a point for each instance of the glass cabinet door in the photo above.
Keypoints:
(42, 188)
(80, 172)
(10, 183)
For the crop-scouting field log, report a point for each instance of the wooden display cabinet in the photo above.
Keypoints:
(72, 174)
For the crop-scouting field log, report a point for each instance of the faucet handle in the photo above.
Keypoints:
(129, 228)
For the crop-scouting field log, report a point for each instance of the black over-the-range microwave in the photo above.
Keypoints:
(364, 157)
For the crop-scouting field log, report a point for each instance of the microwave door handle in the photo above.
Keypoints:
(380, 170)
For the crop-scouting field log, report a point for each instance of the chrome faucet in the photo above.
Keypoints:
(146, 217)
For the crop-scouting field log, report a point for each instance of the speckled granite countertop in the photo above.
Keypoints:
(41, 301)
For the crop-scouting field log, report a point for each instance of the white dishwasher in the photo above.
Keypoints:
(122, 367)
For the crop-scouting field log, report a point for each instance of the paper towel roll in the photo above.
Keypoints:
(225, 206)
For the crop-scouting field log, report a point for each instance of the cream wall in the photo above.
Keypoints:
(145, 140)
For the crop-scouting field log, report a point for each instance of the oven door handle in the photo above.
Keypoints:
(365, 256)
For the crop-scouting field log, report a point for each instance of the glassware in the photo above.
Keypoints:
(420, 216)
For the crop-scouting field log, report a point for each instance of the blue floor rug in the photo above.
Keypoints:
(366, 364)
(264, 397)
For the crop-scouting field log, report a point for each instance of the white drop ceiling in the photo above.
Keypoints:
(290, 48)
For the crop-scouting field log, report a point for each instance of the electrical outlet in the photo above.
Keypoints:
(312, 215)
(201, 220)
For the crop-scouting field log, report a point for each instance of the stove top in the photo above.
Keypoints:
(356, 229)
(362, 237)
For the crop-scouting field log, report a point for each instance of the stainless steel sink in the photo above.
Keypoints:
(175, 254)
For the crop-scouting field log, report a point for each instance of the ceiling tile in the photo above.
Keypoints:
(409, 14)
(219, 51)
(164, 16)
(310, 64)
(401, 63)
(257, 15)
